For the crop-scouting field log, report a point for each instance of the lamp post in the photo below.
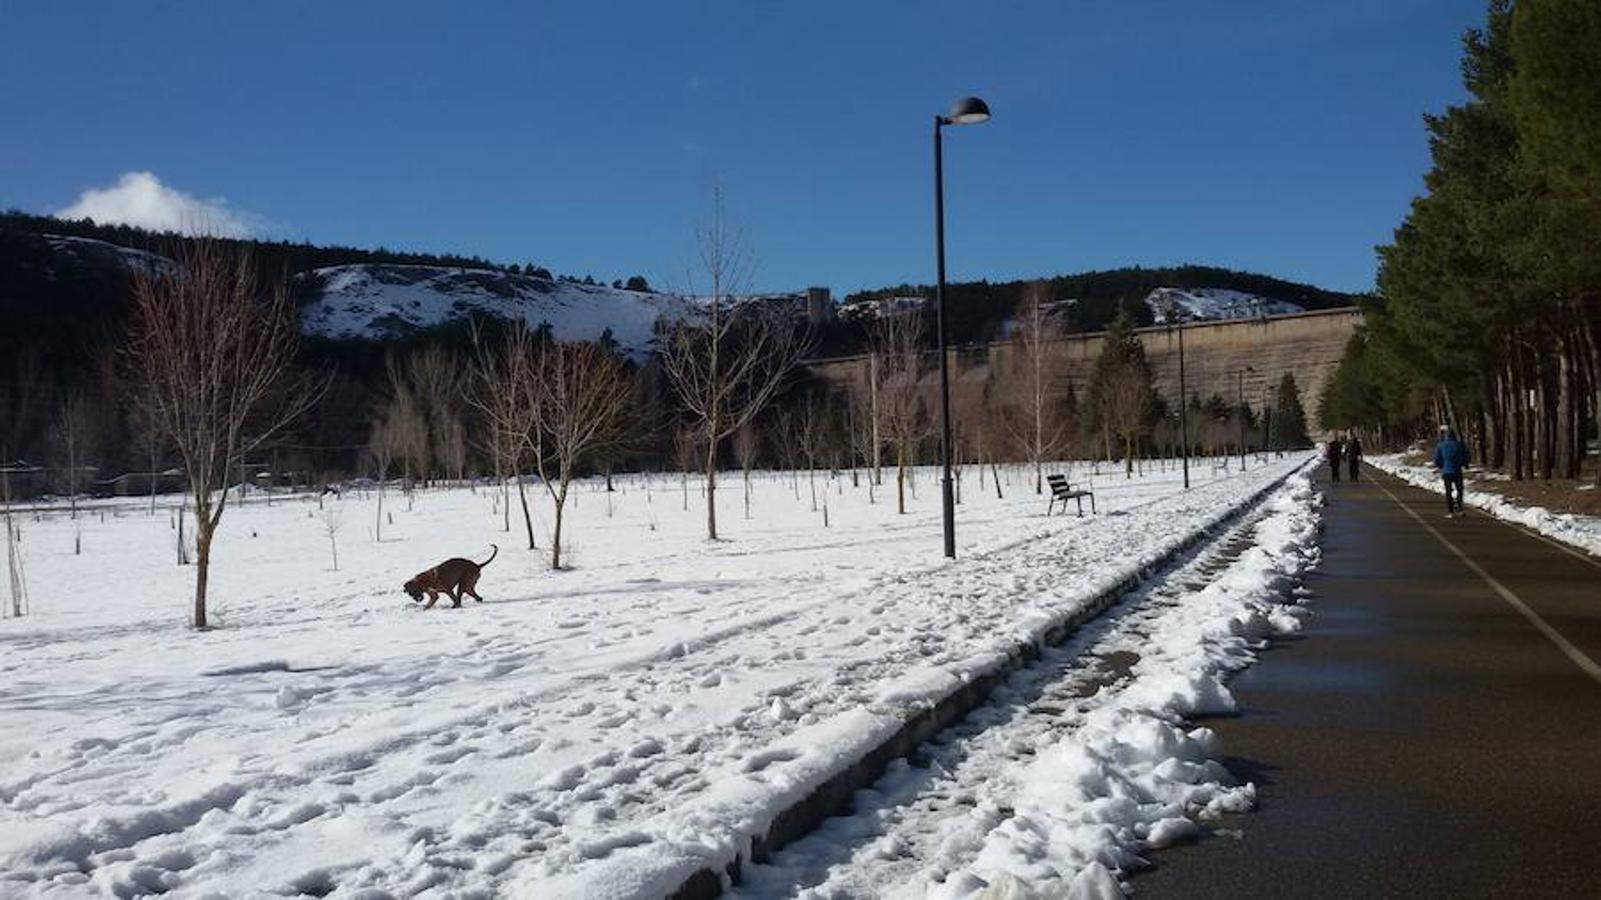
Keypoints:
(1173, 315)
(966, 111)
(1241, 373)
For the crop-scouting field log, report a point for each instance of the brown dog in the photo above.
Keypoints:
(453, 577)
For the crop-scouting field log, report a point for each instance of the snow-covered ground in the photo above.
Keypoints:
(1583, 532)
(601, 731)
(1083, 761)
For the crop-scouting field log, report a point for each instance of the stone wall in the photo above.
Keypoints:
(1309, 345)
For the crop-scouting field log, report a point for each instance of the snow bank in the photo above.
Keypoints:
(714, 832)
(1133, 777)
(1577, 530)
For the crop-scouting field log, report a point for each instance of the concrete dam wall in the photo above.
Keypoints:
(1308, 345)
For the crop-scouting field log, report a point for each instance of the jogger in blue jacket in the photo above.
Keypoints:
(1451, 458)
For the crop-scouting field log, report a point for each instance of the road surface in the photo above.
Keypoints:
(1436, 729)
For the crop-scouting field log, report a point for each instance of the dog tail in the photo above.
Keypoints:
(491, 558)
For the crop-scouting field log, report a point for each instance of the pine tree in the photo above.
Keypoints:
(1289, 417)
(1121, 399)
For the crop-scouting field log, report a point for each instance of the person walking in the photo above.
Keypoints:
(1451, 458)
(1334, 457)
(1353, 457)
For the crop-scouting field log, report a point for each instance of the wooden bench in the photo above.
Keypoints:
(1064, 491)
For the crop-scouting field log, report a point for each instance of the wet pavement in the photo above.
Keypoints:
(1422, 737)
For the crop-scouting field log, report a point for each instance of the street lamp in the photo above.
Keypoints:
(966, 111)
(1173, 315)
(1242, 414)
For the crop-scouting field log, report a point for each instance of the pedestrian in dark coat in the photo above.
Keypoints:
(1451, 458)
(1353, 457)
(1334, 457)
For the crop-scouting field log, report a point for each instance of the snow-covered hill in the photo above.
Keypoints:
(88, 251)
(385, 301)
(1192, 304)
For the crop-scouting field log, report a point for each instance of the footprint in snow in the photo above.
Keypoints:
(756, 762)
(445, 757)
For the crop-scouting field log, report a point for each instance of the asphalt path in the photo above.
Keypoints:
(1435, 731)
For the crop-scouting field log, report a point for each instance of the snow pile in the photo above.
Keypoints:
(372, 301)
(1204, 304)
(1577, 530)
(1132, 777)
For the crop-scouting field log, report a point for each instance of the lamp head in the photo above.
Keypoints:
(967, 111)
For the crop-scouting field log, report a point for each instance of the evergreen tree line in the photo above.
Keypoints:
(1488, 313)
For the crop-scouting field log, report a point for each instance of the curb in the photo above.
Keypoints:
(834, 795)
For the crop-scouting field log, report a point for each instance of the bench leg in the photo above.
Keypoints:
(1092, 505)
(1080, 502)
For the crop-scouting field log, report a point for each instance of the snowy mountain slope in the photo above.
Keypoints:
(1193, 304)
(375, 302)
(91, 251)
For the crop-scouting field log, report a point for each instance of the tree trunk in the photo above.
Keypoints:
(900, 481)
(1564, 411)
(505, 505)
(203, 534)
(711, 483)
(1594, 344)
(559, 501)
(878, 444)
(528, 519)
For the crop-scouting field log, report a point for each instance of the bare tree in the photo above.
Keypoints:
(685, 455)
(897, 341)
(73, 423)
(747, 444)
(435, 440)
(333, 517)
(726, 369)
(151, 440)
(783, 435)
(864, 431)
(582, 394)
(816, 431)
(451, 444)
(212, 341)
(1036, 415)
(383, 445)
(16, 580)
(502, 390)
(407, 422)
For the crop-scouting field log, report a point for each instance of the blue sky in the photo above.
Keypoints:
(1272, 135)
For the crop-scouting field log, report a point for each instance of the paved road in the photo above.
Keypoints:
(1425, 736)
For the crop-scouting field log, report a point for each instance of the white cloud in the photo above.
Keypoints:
(141, 200)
